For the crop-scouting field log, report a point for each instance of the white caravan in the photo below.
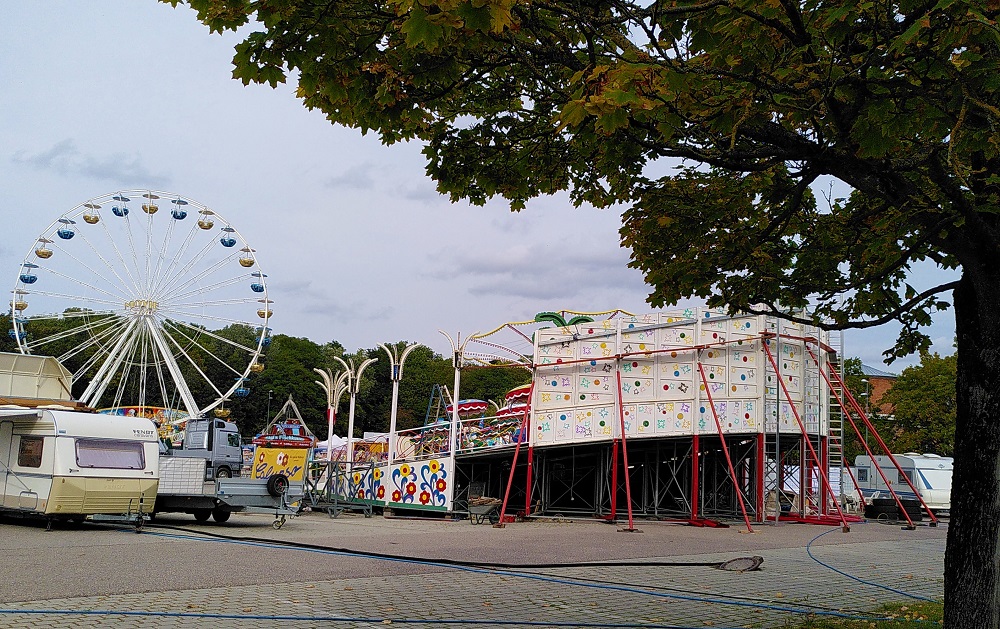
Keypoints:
(930, 475)
(67, 465)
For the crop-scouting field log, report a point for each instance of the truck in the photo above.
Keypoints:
(214, 441)
(930, 475)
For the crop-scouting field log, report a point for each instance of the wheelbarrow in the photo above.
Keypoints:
(478, 513)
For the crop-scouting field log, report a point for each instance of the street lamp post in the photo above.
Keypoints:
(868, 397)
(335, 387)
(458, 350)
(353, 382)
(396, 373)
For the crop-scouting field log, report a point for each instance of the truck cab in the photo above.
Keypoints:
(218, 442)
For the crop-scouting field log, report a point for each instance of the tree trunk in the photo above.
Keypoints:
(971, 570)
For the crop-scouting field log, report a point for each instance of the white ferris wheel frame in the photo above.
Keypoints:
(147, 294)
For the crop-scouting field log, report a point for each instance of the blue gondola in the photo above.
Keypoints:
(179, 213)
(17, 336)
(227, 239)
(66, 231)
(27, 275)
(242, 390)
(120, 210)
(258, 285)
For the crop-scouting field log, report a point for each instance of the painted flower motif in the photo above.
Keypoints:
(405, 469)
(361, 493)
(440, 485)
(425, 497)
(357, 477)
(397, 496)
(411, 488)
(377, 474)
(381, 492)
(434, 466)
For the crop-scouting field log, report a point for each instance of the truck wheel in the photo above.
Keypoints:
(277, 485)
(202, 515)
(220, 515)
(224, 472)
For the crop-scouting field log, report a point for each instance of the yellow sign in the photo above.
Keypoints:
(288, 461)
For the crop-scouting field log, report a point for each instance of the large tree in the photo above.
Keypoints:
(923, 398)
(714, 121)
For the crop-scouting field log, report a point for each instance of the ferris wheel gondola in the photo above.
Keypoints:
(145, 309)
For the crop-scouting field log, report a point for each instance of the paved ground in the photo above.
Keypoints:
(167, 577)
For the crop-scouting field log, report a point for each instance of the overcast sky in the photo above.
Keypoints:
(359, 248)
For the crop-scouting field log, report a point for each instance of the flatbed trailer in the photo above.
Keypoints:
(185, 490)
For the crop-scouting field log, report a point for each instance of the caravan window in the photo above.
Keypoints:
(862, 474)
(110, 454)
(29, 452)
(904, 476)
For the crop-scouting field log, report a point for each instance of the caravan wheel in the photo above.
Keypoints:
(202, 515)
(220, 515)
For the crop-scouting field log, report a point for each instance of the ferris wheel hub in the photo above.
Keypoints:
(142, 306)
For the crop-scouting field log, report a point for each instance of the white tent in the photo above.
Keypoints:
(338, 442)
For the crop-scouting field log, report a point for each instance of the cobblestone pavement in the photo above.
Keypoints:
(322, 589)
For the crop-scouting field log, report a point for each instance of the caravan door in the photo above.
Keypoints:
(6, 439)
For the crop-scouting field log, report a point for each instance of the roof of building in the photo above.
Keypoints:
(872, 372)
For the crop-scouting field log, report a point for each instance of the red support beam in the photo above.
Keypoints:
(878, 439)
(621, 422)
(522, 436)
(725, 449)
(802, 428)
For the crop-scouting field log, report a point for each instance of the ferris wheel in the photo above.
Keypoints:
(150, 299)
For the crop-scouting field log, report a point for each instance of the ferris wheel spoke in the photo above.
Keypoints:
(204, 289)
(110, 366)
(119, 297)
(125, 265)
(100, 256)
(194, 341)
(207, 317)
(75, 298)
(161, 257)
(149, 244)
(181, 253)
(215, 302)
(170, 294)
(88, 326)
(126, 374)
(162, 382)
(178, 324)
(182, 352)
(140, 281)
(175, 371)
(182, 275)
(106, 335)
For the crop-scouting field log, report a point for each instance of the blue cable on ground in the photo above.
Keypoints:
(535, 577)
(858, 579)
(408, 621)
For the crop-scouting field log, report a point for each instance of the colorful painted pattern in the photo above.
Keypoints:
(420, 484)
